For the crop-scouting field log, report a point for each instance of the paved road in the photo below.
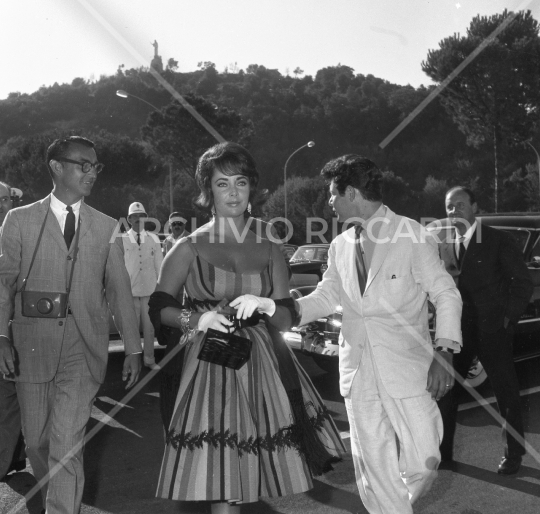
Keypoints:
(122, 461)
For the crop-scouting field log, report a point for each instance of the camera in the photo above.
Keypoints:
(39, 304)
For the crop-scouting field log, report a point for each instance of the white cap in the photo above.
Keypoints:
(136, 208)
(15, 191)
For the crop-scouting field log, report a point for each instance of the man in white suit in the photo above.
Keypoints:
(59, 362)
(381, 271)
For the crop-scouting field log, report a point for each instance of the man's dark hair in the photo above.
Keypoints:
(60, 147)
(466, 190)
(355, 171)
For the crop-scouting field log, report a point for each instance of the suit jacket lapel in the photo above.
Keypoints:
(473, 247)
(52, 227)
(386, 233)
(448, 252)
(347, 267)
(85, 215)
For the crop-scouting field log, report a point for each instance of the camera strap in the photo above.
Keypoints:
(75, 252)
(36, 248)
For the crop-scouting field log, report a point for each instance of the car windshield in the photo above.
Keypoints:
(311, 253)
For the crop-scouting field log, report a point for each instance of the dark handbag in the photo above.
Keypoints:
(227, 350)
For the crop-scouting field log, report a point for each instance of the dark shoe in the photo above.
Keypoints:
(509, 465)
(447, 465)
(17, 466)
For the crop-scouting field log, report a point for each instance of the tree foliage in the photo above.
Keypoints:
(272, 114)
(496, 97)
(174, 134)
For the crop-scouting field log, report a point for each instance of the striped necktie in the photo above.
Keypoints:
(360, 263)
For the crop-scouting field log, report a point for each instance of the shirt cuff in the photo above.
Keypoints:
(455, 347)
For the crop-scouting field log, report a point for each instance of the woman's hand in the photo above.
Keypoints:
(212, 319)
(247, 304)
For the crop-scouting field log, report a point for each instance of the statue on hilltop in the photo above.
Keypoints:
(156, 62)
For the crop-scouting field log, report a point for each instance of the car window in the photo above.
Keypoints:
(521, 236)
(323, 254)
(310, 253)
(535, 254)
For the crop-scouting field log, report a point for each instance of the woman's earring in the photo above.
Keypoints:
(213, 211)
(249, 207)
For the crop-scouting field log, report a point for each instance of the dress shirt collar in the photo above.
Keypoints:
(59, 206)
(133, 235)
(378, 215)
(132, 232)
(466, 238)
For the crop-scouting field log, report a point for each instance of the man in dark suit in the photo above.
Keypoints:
(58, 363)
(495, 286)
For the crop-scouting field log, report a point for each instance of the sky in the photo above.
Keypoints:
(48, 41)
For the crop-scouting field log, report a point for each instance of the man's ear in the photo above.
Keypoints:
(474, 207)
(56, 167)
(350, 192)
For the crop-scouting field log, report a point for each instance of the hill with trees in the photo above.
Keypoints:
(272, 115)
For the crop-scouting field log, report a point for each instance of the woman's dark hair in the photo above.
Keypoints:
(355, 171)
(227, 158)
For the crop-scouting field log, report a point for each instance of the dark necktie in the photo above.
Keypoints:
(139, 238)
(462, 251)
(360, 264)
(69, 227)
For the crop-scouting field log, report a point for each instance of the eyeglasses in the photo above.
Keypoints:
(177, 224)
(86, 166)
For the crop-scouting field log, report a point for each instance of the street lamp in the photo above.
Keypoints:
(124, 94)
(310, 144)
(537, 163)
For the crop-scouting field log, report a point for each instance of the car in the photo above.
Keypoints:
(319, 338)
(308, 264)
(289, 251)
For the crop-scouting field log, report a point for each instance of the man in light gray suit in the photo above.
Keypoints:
(59, 361)
(381, 272)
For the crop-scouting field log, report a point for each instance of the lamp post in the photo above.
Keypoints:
(537, 163)
(310, 144)
(124, 94)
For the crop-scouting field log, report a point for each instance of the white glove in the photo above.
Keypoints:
(213, 319)
(247, 304)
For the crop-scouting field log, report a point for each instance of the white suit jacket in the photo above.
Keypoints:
(142, 262)
(392, 314)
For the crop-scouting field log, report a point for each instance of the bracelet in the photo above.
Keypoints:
(183, 320)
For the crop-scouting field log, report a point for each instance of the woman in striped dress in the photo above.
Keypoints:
(261, 430)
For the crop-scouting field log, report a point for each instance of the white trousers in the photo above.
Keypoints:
(394, 442)
(143, 321)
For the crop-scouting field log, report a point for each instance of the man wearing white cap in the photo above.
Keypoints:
(142, 253)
